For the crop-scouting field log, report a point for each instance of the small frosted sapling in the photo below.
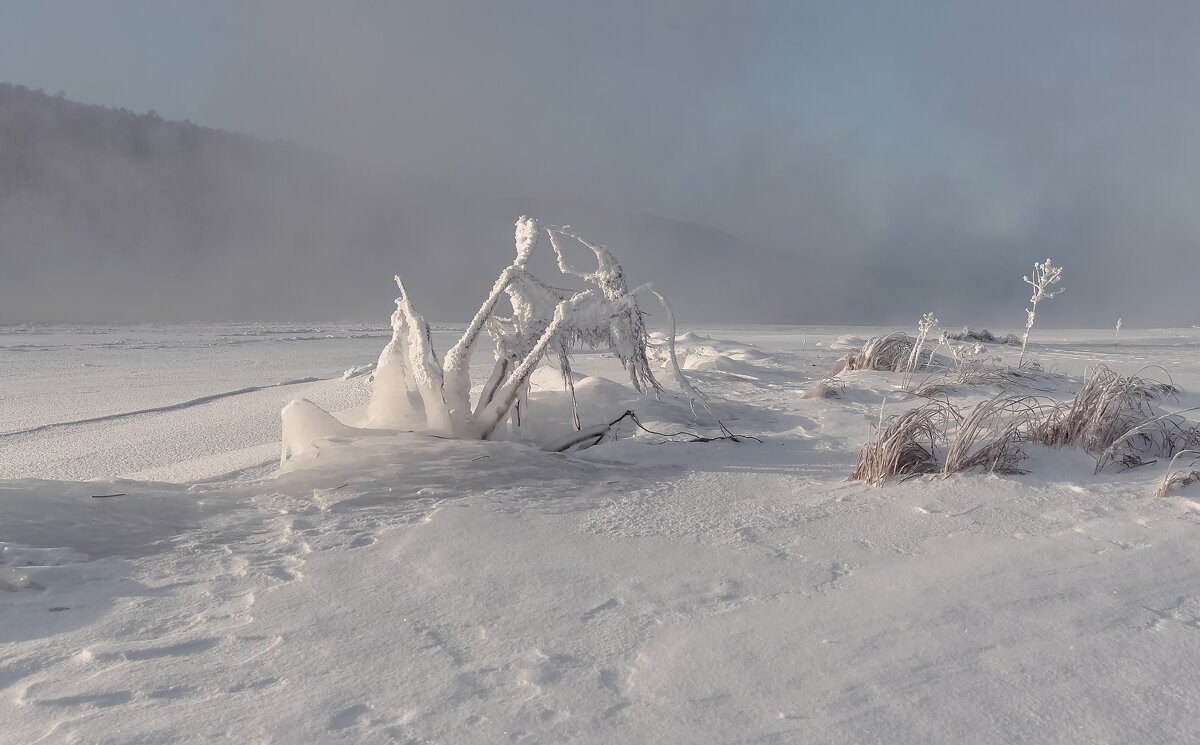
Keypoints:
(924, 326)
(1045, 275)
(1117, 334)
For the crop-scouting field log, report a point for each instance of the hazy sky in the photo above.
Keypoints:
(950, 139)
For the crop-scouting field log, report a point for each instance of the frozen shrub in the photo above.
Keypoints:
(412, 387)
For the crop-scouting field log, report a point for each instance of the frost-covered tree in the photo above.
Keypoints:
(1045, 275)
(412, 386)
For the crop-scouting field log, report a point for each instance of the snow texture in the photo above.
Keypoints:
(406, 588)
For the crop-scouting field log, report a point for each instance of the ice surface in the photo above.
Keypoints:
(406, 588)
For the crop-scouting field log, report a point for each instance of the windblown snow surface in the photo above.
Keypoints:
(161, 582)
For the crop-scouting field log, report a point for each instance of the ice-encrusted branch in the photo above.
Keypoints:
(457, 379)
(685, 385)
(507, 394)
(627, 332)
(424, 366)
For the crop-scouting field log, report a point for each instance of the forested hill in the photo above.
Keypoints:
(107, 214)
(143, 217)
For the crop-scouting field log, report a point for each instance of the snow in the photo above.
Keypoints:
(161, 581)
(304, 427)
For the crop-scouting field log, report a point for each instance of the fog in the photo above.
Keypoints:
(776, 162)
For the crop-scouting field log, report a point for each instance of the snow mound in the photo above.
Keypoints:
(547, 378)
(707, 354)
(304, 425)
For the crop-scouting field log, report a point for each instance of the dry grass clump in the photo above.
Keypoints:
(891, 353)
(826, 388)
(989, 438)
(1114, 418)
(1164, 436)
(1185, 476)
(991, 435)
(904, 444)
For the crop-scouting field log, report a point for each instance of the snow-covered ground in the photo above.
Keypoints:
(159, 582)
